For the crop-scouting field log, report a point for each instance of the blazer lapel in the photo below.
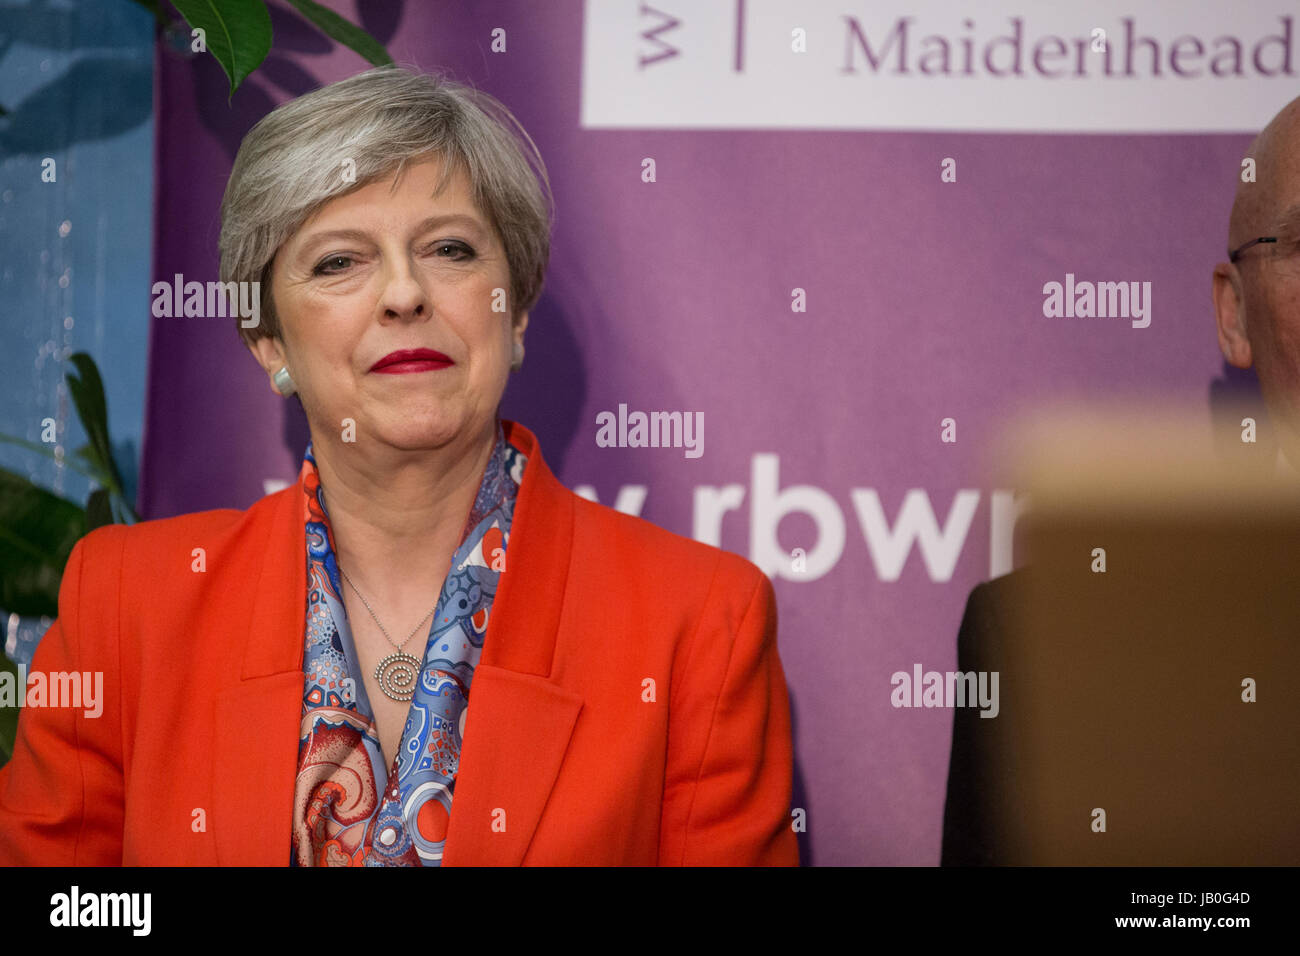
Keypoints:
(517, 729)
(256, 750)
(517, 723)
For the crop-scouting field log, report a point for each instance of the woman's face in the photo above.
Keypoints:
(390, 267)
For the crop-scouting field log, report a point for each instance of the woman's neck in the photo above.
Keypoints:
(397, 516)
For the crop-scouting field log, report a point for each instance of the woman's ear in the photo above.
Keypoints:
(270, 355)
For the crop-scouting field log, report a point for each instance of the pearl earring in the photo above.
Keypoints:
(518, 358)
(284, 382)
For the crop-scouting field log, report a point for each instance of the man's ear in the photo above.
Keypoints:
(1230, 315)
(269, 355)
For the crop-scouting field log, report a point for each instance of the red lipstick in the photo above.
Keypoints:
(411, 360)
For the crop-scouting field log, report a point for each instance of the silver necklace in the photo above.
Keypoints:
(396, 673)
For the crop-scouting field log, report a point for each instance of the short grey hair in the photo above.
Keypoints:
(292, 162)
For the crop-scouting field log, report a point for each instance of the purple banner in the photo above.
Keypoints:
(841, 319)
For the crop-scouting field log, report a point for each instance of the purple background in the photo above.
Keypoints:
(924, 301)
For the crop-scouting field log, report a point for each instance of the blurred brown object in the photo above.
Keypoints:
(1122, 690)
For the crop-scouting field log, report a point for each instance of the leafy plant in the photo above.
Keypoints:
(238, 32)
(38, 529)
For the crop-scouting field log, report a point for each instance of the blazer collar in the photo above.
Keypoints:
(518, 722)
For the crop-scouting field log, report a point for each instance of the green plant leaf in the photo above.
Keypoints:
(48, 452)
(126, 513)
(37, 533)
(99, 464)
(236, 32)
(90, 456)
(99, 510)
(8, 716)
(344, 31)
(122, 510)
(88, 396)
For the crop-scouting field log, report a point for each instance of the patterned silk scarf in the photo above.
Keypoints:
(347, 811)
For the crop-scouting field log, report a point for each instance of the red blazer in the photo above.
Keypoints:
(194, 757)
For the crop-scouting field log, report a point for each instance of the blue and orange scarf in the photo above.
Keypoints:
(347, 811)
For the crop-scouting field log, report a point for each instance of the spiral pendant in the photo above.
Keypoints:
(397, 674)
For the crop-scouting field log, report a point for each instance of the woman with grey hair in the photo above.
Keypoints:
(427, 650)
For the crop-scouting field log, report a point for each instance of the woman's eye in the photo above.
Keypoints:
(459, 250)
(325, 266)
(453, 251)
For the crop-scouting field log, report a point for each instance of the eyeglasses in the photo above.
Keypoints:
(1235, 254)
(1285, 250)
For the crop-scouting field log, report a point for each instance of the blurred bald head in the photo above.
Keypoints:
(1276, 151)
(1257, 299)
